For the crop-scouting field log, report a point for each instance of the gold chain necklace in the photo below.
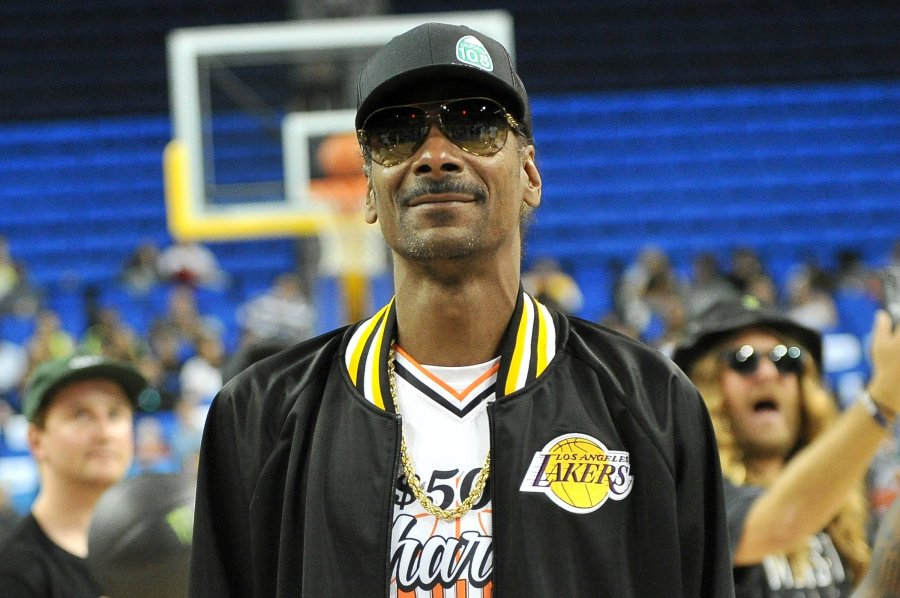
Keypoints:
(410, 472)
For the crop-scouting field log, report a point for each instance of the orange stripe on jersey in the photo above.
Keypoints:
(462, 589)
(488, 590)
(438, 591)
(484, 528)
(424, 371)
(460, 396)
(479, 380)
(406, 593)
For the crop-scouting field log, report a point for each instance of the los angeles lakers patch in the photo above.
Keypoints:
(578, 473)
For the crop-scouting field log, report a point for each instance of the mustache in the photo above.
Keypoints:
(437, 187)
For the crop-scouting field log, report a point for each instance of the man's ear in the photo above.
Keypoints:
(371, 212)
(34, 442)
(530, 172)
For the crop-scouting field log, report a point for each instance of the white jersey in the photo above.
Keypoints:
(445, 423)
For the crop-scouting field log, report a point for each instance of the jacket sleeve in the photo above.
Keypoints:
(221, 559)
(706, 558)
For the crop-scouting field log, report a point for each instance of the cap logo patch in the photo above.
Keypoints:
(84, 361)
(470, 50)
(578, 473)
(751, 302)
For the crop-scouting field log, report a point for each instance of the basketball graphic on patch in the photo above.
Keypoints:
(579, 473)
(571, 490)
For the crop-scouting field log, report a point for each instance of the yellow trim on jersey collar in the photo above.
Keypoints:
(528, 346)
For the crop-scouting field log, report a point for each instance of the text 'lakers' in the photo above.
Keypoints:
(578, 473)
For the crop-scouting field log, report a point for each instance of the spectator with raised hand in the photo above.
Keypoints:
(794, 466)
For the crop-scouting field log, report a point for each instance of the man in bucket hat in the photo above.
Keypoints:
(466, 440)
(80, 411)
(794, 466)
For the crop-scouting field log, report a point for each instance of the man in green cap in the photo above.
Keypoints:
(80, 411)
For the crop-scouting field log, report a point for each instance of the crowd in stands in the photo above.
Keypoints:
(188, 353)
(656, 303)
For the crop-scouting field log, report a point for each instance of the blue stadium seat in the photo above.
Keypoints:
(856, 311)
(15, 328)
(793, 168)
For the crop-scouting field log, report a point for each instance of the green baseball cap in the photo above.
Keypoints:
(51, 376)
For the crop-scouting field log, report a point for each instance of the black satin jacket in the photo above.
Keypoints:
(299, 464)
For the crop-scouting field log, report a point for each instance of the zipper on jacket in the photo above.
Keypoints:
(395, 471)
(490, 414)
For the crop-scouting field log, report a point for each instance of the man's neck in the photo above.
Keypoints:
(454, 324)
(763, 471)
(65, 515)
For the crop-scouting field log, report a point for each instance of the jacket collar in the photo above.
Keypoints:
(528, 346)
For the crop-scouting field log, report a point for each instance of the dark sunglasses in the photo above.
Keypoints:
(745, 360)
(476, 125)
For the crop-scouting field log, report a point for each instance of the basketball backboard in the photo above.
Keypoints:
(248, 105)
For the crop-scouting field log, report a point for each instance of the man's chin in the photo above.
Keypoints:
(438, 245)
(105, 477)
(770, 448)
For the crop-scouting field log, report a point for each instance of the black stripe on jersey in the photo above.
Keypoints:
(535, 328)
(387, 340)
(361, 369)
(508, 344)
(438, 398)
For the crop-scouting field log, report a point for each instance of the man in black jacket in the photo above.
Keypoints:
(536, 454)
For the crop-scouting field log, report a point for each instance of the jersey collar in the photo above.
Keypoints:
(529, 344)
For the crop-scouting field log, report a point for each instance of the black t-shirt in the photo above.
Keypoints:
(826, 577)
(32, 566)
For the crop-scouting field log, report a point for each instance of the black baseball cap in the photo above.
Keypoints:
(51, 376)
(726, 318)
(435, 52)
